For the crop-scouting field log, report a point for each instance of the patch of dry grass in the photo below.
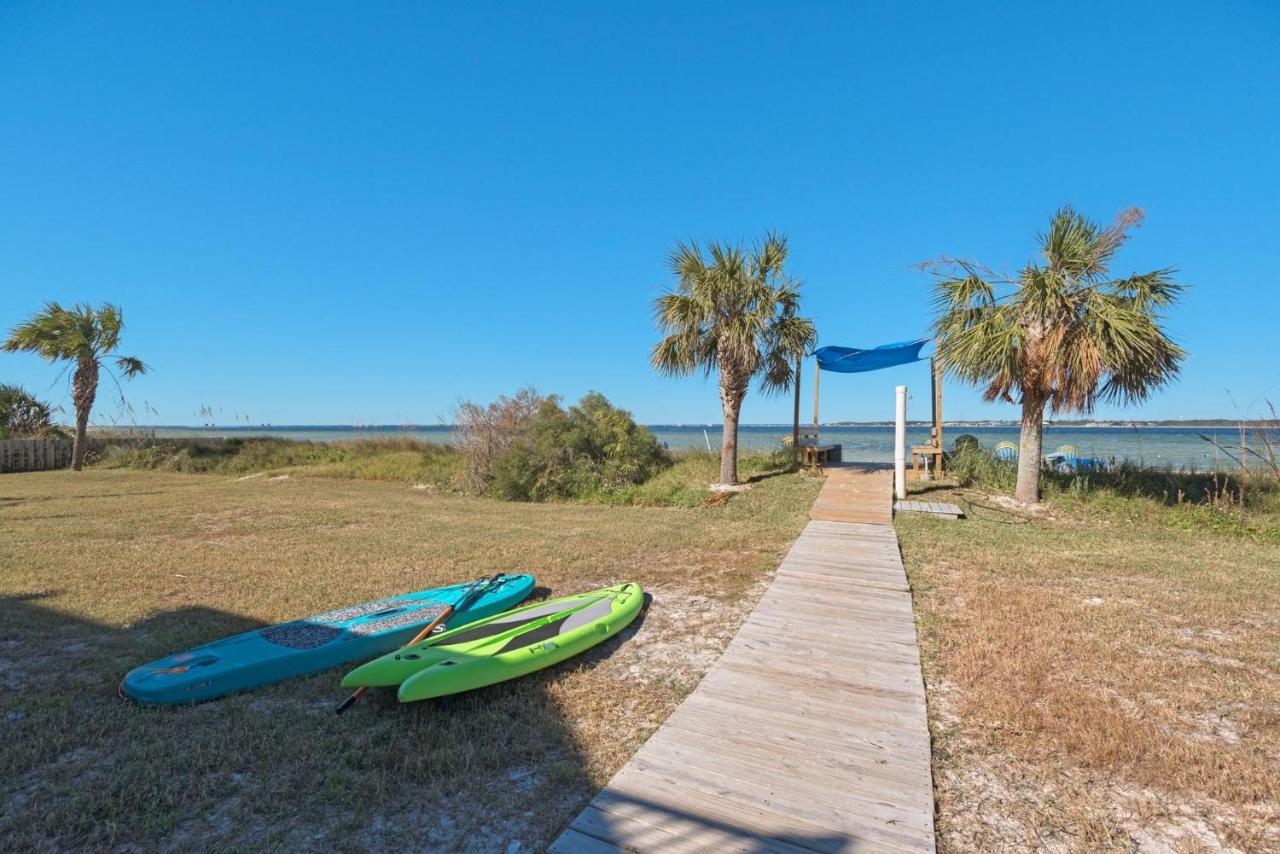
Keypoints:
(109, 569)
(1099, 679)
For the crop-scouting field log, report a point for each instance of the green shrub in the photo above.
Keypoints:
(592, 449)
(24, 416)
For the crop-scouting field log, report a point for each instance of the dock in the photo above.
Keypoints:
(810, 733)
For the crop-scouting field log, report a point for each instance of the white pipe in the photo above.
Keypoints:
(900, 445)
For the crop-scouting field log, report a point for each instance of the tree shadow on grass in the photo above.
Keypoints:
(925, 487)
(19, 500)
(760, 477)
(274, 767)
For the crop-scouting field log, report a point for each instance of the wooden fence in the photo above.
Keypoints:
(34, 454)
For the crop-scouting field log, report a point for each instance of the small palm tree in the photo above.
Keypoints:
(81, 334)
(1063, 333)
(735, 312)
(24, 416)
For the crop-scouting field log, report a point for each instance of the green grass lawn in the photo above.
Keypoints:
(109, 569)
(1102, 675)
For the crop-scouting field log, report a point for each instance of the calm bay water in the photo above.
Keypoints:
(1178, 447)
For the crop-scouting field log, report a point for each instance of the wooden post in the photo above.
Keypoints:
(795, 420)
(937, 413)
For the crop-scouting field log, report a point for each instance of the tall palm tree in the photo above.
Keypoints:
(81, 334)
(735, 312)
(1063, 333)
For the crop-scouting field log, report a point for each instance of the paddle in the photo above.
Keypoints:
(474, 592)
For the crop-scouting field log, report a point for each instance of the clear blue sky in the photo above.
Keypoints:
(358, 213)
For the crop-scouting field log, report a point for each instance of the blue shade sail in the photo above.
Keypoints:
(851, 360)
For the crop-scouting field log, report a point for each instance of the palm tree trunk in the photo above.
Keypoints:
(729, 444)
(1030, 445)
(84, 388)
(732, 390)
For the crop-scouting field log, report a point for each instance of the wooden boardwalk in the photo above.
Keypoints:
(809, 733)
(856, 492)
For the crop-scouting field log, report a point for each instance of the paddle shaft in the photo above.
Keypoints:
(465, 602)
(359, 692)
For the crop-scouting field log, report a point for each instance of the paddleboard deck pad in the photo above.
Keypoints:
(312, 644)
(502, 647)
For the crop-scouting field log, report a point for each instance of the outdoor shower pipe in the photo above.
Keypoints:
(900, 444)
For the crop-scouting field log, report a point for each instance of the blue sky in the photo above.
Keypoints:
(359, 213)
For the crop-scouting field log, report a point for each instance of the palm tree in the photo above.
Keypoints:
(81, 334)
(24, 416)
(1063, 333)
(735, 312)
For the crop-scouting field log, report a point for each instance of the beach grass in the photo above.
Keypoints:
(426, 465)
(115, 567)
(401, 460)
(1103, 674)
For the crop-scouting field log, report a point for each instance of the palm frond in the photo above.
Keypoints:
(1070, 244)
(106, 325)
(1150, 291)
(130, 366)
(962, 292)
(771, 255)
(685, 262)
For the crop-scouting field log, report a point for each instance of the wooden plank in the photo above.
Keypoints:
(662, 827)
(848, 734)
(758, 815)
(904, 748)
(572, 841)
(633, 790)
(860, 715)
(803, 788)
(937, 508)
(769, 741)
(850, 817)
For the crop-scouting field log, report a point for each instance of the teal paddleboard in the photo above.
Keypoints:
(312, 644)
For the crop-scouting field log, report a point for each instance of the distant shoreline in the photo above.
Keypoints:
(1199, 443)
(1075, 425)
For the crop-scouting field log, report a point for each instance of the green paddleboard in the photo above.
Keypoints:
(503, 646)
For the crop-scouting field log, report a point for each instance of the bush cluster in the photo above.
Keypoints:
(24, 416)
(530, 448)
